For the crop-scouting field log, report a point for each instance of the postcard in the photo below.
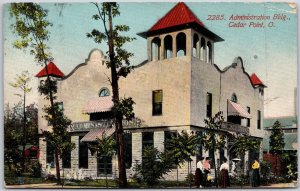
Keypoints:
(150, 95)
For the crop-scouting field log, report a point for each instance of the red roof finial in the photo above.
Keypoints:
(178, 15)
(53, 70)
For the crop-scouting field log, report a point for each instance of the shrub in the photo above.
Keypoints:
(34, 169)
(154, 165)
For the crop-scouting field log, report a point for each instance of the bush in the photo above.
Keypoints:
(241, 180)
(190, 178)
(34, 169)
(154, 165)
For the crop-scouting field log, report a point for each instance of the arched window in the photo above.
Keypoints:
(209, 52)
(234, 98)
(168, 42)
(196, 46)
(155, 48)
(180, 45)
(202, 49)
(103, 92)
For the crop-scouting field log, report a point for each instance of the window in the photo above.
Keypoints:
(181, 44)
(50, 154)
(128, 150)
(155, 49)
(147, 140)
(168, 41)
(261, 91)
(167, 137)
(157, 97)
(83, 154)
(103, 92)
(208, 105)
(234, 98)
(258, 119)
(248, 119)
(66, 158)
(104, 164)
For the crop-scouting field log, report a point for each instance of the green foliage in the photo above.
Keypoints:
(154, 165)
(241, 180)
(183, 146)
(276, 139)
(31, 26)
(59, 134)
(213, 139)
(46, 87)
(121, 57)
(34, 169)
(104, 146)
(21, 82)
(245, 143)
(124, 107)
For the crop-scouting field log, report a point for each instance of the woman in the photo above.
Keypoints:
(199, 174)
(224, 177)
(206, 168)
(255, 174)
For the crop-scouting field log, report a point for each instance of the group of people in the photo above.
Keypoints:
(203, 178)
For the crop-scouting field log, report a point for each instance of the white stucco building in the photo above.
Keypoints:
(174, 90)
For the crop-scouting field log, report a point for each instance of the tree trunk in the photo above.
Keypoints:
(119, 127)
(24, 132)
(57, 167)
(54, 126)
(216, 174)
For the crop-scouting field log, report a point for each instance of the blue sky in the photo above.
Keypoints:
(271, 53)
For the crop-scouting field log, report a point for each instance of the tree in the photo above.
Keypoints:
(276, 141)
(183, 146)
(13, 138)
(213, 139)
(243, 144)
(31, 25)
(119, 63)
(154, 165)
(105, 148)
(22, 83)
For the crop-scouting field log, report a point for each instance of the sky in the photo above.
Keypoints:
(270, 52)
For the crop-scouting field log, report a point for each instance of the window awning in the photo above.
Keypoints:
(93, 134)
(98, 104)
(235, 109)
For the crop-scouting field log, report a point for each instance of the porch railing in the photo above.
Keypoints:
(237, 128)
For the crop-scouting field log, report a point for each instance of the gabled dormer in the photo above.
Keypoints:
(180, 33)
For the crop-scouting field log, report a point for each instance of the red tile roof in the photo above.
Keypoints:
(178, 15)
(52, 70)
(98, 104)
(255, 80)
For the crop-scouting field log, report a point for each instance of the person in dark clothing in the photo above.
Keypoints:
(199, 174)
(224, 174)
(255, 174)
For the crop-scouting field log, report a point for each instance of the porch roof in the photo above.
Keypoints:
(98, 104)
(235, 109)
(93, 134)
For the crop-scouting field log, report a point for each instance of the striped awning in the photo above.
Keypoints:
(93, 134)
(98, 104)
(235, 109)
